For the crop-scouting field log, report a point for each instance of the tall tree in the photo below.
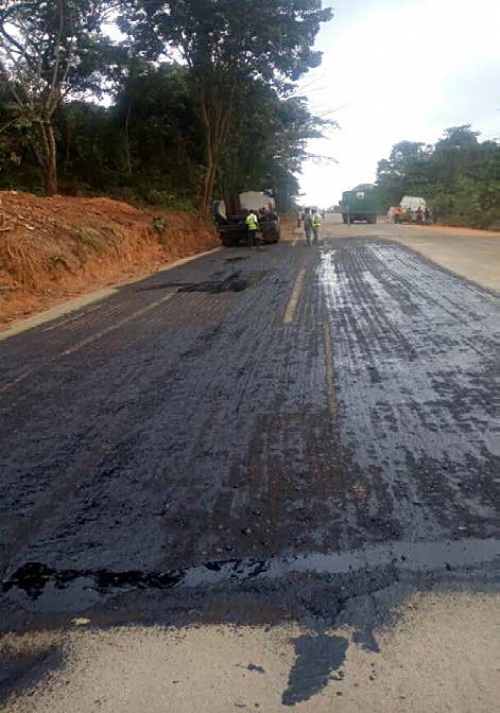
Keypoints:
(268, 141)
(458, 137)
(226, 44)
(47, 50)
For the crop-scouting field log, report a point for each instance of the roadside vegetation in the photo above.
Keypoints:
(166, 103)
(459, 176)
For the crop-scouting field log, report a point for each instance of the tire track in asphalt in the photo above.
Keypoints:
(401, 426)
(224, 423)
(80, 462)
(83, 343)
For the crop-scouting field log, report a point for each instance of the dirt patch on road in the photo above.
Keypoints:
(59, 247)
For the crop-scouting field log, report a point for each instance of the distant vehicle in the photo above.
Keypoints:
(413, 203)
(361, 204)
(229, 215)
(410, 210)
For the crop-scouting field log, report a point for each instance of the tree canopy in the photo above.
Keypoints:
(199, 95)
(47, 51)
(459, 176)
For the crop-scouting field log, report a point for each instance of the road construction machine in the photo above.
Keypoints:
(229, 216)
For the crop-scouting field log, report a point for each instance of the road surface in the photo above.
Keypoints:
(268, 478)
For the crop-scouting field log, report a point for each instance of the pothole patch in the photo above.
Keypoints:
(233, 283)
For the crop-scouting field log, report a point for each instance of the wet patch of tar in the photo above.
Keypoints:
(51, 589)
(317, 657)
(233, 283)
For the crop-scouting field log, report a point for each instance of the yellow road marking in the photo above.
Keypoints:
(330, 379)
(289, 315)
(85, 342)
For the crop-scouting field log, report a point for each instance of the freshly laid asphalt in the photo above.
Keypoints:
(289, 438)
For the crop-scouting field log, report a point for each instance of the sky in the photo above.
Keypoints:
(394, 70)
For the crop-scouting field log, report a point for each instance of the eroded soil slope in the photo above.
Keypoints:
(54, 248)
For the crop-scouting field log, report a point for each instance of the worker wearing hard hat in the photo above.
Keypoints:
(316, 224)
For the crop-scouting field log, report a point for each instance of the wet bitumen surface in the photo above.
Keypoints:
(225, 438)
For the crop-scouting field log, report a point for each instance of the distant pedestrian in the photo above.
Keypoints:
(316, 225)
(427, 216)
(252, 224)
(308, 225)
(420, 215)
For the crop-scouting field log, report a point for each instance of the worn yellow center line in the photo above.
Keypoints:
(289, 315)
(85, 342)
(330, 379)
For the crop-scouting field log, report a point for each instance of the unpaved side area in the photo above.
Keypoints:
(439, 654)
(52, 249)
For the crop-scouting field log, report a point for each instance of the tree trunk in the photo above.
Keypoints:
(43, 144)
(208, 182)
(68, 141)
(216, 129)
(50, 167)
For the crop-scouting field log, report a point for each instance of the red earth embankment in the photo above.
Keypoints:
(55, 248)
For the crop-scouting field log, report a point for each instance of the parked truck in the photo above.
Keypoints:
(229, 215)
(360, 205)
(412, 209)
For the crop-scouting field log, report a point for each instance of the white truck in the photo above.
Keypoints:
(411, 210)
(413, 203)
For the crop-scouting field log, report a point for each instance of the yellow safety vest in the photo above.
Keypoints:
(251, 222)
(316, 221)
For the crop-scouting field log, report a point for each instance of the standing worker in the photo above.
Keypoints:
(252, 224)
(308, 226)
(316, 225)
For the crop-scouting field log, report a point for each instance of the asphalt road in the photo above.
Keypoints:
(284, 445)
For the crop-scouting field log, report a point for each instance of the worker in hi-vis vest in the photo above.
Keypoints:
(316, 224)
(252, 223)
